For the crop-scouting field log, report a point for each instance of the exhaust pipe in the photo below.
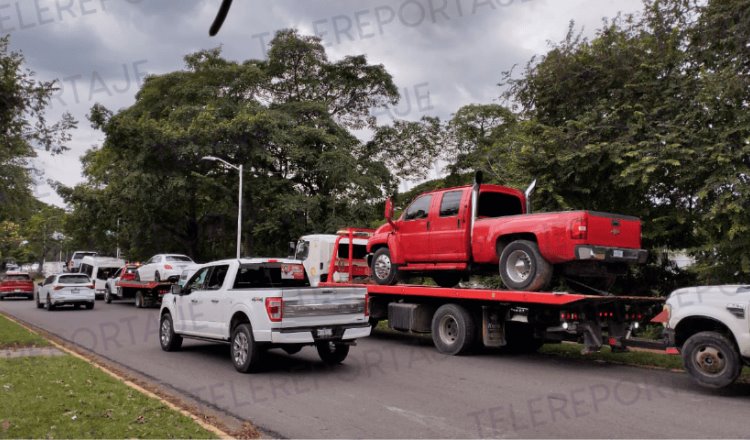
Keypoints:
(478, 179)
(527, 195)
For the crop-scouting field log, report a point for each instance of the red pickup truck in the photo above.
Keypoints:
(450, 233)
(15, 284)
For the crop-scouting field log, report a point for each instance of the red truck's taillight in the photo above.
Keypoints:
(579, 228)
(275, 309)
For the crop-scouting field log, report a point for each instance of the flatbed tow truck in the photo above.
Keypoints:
(145, 293)
(460, 319)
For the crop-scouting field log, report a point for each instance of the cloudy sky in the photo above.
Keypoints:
(442, 53)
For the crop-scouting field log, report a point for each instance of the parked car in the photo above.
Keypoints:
(16, 284)
(75, 261)
(100, 269)
(167, 267)
(66, 289)
(125, 273)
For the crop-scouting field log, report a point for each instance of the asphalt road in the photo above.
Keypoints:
(392, 386)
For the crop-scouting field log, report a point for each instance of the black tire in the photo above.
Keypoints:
(520, 339)
(244, 351)
(90, 306)
(139, 302)
(711, 359)
(522, 267)
(168, 339)
(292, 349)
(447, 279)
(453, 329)
(108, 296)
(382, 269)
(332, 353)
(137, 275)
(157, 276)
(76, 306)
(38, 304)
(48, 304)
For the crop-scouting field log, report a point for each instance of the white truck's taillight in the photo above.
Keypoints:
(275, 309)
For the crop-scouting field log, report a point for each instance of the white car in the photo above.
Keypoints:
(164, 267)
(74, 289)
(75, 261)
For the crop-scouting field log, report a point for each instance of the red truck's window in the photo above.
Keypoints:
(450, 203)
(419, 208)
(498, 205)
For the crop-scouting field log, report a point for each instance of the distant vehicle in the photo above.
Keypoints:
(12, 267)
(257, 304)
(16, 284)
(710, 326)
(75, 261)
(54, 267)
(66, 289)
(164, 267)
(125, 273)
(100, 269)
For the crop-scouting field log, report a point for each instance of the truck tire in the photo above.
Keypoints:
(383, 271)
(38, 304)
(139, 300)
(108, 296)
(453, 329)
(332, 353)
(711, 359)
(447, 279)
(168, 339)
(244, 350)
(522, 267)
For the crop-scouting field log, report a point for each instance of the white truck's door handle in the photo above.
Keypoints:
(194, 301)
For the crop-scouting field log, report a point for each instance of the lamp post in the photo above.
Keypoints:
(239, 198)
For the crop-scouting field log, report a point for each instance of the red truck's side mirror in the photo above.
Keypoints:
(389, 211)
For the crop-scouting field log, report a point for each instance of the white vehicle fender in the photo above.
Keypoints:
(254, 310)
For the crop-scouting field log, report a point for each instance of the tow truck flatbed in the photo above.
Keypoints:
(145, 293)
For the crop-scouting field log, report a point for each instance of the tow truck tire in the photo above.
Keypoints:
(383, 271)
(711, 359)
(453, 329)
(522, 267)
(108, 296)
(447, 279)
(139, 300)
(244, 351)
(168, 339)
(332, 353)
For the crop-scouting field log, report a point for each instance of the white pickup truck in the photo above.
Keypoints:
(710, 326)
(257, 304)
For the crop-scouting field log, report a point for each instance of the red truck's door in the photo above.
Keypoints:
(449, 237)
(413, 232)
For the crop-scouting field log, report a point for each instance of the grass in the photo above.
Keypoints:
(65, 397)
(13, 335)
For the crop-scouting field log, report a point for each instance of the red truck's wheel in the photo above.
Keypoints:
(383, 271)
(447, 279)
(522, 267)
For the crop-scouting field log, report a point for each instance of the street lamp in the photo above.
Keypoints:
(239, 198)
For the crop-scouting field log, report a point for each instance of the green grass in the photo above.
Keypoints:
(64, 397)
(13, 335)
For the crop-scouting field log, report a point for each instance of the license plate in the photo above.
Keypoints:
(617, 253)
(75, 291)
(324, 332)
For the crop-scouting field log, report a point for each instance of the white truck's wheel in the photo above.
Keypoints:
(711, 359)
(168, 339)
(244, 350)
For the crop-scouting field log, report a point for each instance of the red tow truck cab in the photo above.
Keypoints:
(16, 284)
(450, 233)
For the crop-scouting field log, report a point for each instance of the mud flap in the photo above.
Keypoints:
(493, 327)
(592, 337)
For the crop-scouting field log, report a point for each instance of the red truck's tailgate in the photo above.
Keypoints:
(613, 230)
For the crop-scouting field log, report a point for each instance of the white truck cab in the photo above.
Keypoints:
(710, 326)
(314, 251)
(100, 269)
(259, 303)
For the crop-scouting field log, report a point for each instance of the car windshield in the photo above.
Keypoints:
(73, 279)
(17, 277)
(303, 249)
(178, 258)
(105, 272)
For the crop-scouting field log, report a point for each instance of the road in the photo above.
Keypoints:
(392, 386)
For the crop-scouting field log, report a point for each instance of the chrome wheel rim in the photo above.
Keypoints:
(448, 330)
(710, 360)
(382, 266)
(165, 330)
(240, 347)
(518, 267)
